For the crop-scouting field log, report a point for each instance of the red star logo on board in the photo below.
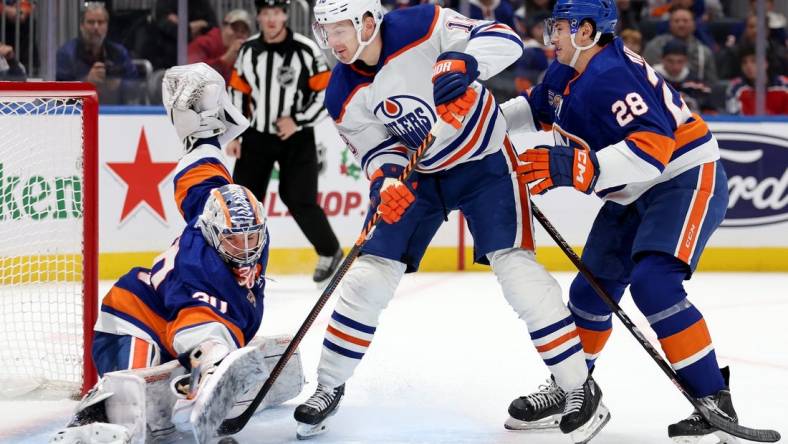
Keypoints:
(142, 177)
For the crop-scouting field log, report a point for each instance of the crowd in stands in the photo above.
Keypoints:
(700, 48)
(701, 51)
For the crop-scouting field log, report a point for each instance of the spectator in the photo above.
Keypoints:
(498, 10)
(10, 68)
(661, 9)
(21, 9)
(682, 27)
(628, 15)
(161, 47)
(533, 63)
(775, 20)
(728, 60)
(676, 72)
(92, 58)
(539, 6)
(219, 47)
(740, 98)
(633, 40)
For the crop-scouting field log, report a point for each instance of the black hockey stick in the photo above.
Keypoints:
(234, 425)
(709, 411)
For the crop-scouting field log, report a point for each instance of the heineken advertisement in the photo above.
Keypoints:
(39, 197)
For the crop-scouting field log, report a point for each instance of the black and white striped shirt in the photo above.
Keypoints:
(272, 80)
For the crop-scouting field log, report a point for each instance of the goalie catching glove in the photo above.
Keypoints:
(196, 100)
(558, 166)
(391, 196)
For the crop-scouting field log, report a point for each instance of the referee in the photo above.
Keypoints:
(279, 81)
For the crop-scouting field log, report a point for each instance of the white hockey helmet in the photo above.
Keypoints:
(335, 11)
(233, 221)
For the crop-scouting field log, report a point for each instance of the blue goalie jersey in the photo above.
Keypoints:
(190, 294)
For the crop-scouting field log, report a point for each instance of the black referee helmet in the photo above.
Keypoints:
(260, 4)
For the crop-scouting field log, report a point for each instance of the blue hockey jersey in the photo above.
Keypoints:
(638, 125)
(190, 294)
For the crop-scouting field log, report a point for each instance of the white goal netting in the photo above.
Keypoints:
(41, 245)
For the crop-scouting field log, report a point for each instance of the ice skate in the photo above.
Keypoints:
(584, 414)
(692, 429)
(540, 410)
(313, 414)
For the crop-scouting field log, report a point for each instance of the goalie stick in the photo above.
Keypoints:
(709, 411)
(234, 425)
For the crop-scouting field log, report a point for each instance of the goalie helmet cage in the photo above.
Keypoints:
(48, 237)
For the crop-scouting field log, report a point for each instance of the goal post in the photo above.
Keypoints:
(48, 236)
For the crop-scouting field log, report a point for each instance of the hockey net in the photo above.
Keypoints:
(48, 237)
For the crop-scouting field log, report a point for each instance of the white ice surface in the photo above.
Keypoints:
(450, 355)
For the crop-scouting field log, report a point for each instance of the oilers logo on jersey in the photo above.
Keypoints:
(407, 117)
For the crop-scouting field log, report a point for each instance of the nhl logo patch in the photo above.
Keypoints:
(285, 75)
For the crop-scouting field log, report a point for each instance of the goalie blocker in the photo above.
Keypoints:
(136, 406)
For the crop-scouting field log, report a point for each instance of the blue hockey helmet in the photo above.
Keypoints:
(602, 12)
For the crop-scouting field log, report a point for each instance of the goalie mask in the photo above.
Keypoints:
(233, 221)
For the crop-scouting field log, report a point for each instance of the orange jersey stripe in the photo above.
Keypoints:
(196, 315)
(127, 302)
(140, 357)
(196, 175)
(655, 145)
(476, 134)
(347, 337)
(689, 235)
(687, 342)
(419, 41)
(556, 342)
(527, 238)
(689, 132)
(319, 81)
(236, 82)
(593, 341)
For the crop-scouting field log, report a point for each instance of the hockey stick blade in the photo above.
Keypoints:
(716, 418)
(234, 425)
(726, 425)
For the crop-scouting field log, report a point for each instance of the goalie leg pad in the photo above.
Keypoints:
(536, 298)
(94, 433)
(239, 378)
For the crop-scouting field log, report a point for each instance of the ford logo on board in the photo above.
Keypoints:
(757, 167)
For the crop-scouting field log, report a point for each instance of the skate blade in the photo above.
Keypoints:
(548, 424)
(723, 437)
(308, 431)
(589, 430)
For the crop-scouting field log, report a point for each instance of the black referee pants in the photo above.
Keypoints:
(297, 158)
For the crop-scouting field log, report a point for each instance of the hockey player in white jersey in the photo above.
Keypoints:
(398, 75)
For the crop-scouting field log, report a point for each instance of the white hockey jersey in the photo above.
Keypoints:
(384, 112)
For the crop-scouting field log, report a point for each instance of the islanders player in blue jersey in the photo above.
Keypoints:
(202, 298)
(398, 74)
(623, 132)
